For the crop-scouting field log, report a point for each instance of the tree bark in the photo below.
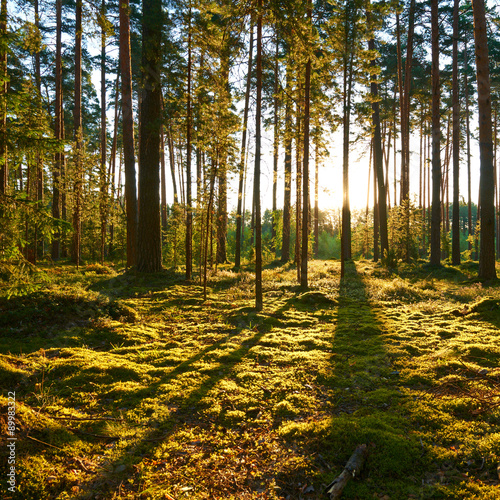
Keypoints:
(305, 169)
(455, 248)
(258, 225)
(316, 196)
(103, 205)
(379, 162)
(77, 119)
(4, 164)
(128, 134)
(241, 183)
(436, 139)
(58, 124)
(149, 229)
(285, 244)
(347, 93)
(275, 144)
(467, 136)
(487, 180)
(189, 213)
(405, 112)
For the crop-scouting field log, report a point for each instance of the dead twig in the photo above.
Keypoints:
(351, 469)
(43, 442)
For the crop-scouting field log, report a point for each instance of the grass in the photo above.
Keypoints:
(131, 386)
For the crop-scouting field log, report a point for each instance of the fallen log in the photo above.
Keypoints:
(351, 469)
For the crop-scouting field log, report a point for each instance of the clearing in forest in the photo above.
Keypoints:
(131, 386)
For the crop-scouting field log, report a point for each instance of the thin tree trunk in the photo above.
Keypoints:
(189, 213)
(467, 137)
(102, 174)
(378, 162)
(455, 244)
(163, 180)
(405, 114)
(171, 157)
(275, 145)
(487, 181)
(316, 196)
(347, 92)
(305, 169)
(77, 118)
(436, 138)
(285, 244)
(112, 163)
(208, 230)
(258, 226)
(128, 134)
(298, 179)
(58, 125)
(239, 210)
(377, 219)
(4, 165)
(39, 161)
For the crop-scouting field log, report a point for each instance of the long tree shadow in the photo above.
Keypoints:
(368, 405)
(184, 410)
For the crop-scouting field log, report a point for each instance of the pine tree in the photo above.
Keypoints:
(149, 228)
(128, 133)
(487, 180)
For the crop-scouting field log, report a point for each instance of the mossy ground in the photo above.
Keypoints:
(134, 387)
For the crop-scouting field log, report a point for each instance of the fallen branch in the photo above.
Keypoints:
(352, 468)
(43, 442)
(80, 419)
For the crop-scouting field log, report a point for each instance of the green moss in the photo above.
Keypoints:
(152, 389)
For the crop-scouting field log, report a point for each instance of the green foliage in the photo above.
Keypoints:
(405, 231)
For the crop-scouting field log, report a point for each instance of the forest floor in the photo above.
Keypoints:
(133, 387)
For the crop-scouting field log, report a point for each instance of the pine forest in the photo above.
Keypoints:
(249, 250)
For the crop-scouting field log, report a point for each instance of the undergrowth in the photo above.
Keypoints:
(131, 386)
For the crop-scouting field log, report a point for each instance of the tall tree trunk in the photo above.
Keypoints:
(112, 163)
(4, 165)
(189, 213)
(208, 232)
(378, 160)
(103, 205)
(77, 119)
(497, 184)
(285, 243)
(405, 112)
(275, 144)
(298, 178)
(455, 246)
(171, 157)
(39, 162)
(487, 180)
(316, 196)
(258, 115)
(241, 182)
(305, 169)
(163, 181)
(221, 255)
(345, 247)
(128, 134)
(376, 214)
(58, 125)
(436, 140)
(149, 229)
(467, 137)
